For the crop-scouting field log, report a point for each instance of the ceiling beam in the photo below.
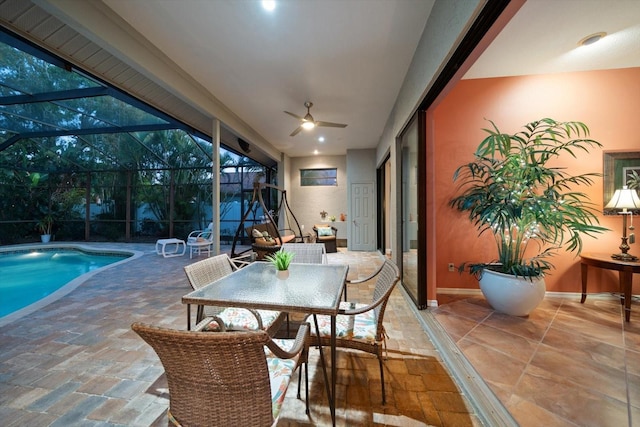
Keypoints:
(90, 131)
(60, 95)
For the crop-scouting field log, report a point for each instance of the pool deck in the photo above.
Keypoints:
(77, 358)
(76, 361)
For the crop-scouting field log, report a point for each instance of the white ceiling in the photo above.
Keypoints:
(349, 57)
(543, 38)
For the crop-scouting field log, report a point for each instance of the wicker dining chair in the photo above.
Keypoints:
(235, 378)
(209, 270)
(306, 253)
(360, 326)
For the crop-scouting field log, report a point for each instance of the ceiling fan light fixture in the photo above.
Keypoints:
(269, 5)
(308, 122)
(591, 39)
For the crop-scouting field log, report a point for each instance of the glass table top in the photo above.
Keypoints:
(310, 288)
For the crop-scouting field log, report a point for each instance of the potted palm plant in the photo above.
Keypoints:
(44, 226)
(281, 261)
(512, 192)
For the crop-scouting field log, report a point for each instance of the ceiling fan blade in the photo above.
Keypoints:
(331, 125)
(294, 115)
(297, 131)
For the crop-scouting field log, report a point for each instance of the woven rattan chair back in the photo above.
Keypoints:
(208, 270)
(306, 253)
(215, 379)
(201, 273)
(387, 278)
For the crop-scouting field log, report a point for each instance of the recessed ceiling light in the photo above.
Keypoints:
(321, 139)
(315, 152)
(269, 5)
(591, 39)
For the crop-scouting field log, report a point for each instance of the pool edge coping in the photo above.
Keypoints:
(70, 286)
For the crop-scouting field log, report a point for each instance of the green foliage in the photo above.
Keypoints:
(634, 181)
(511, 192)
(168, 172)
(281, 259)
(45, 224)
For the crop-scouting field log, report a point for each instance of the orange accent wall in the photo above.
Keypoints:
(608, 102)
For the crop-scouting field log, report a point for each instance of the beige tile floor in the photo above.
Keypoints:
(76, 361)
(567, 364)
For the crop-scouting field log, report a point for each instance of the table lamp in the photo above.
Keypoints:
(624, 199)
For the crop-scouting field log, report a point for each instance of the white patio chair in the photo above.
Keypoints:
(200, 241)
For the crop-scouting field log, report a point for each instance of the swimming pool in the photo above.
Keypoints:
(32, 275)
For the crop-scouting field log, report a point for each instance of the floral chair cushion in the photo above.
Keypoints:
(280, 371)
(240, 318)
(360, 327)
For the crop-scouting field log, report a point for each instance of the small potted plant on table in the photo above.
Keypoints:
(281, 261)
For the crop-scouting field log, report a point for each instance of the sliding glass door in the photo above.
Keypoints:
(412, 242)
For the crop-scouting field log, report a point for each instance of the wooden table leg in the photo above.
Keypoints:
(584, 269)
(626, 282)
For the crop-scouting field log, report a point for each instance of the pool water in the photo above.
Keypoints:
(26, 277)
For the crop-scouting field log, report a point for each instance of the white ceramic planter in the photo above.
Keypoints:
(516, 296)
(282, 274)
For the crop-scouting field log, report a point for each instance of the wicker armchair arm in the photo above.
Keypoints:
(374, 274)
(205, 322)
(299, 344)
(357, 281)
(352, 311)
(258, 318)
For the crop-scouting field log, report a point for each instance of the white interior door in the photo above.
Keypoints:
(363, 230)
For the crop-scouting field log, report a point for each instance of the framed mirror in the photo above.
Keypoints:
(617, 169)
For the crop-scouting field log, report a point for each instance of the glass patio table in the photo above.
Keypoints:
(310, 289)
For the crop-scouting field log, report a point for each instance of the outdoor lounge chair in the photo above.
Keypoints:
(265, 240)
(209, 270)
(327, 234)
(359, 326)
(226, 378)
(199, 241)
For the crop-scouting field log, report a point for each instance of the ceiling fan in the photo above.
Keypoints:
(307, 122)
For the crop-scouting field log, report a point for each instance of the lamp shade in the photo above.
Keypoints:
(624, 198)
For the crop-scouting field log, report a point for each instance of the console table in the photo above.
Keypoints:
(625, 270)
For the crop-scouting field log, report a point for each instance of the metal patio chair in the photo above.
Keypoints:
(359, 326)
